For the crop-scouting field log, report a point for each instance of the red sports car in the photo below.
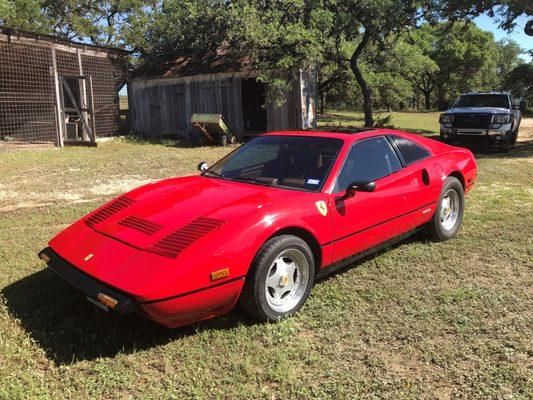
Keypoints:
(262, 224)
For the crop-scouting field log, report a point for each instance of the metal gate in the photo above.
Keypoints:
(77, 109)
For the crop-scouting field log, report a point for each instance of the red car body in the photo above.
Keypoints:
(155, 249)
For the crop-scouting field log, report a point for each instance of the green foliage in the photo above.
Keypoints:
(24, 14)
(99, 22)
(520, 81)
(367, 52)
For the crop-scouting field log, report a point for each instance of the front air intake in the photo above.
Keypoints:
(177, 241)
(108, 210)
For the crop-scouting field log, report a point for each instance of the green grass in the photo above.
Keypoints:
(421, 320)
(421, 122)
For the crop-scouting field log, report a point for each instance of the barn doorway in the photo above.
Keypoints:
(253, 93)
(77, 114)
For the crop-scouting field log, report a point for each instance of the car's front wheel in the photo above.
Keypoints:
(280, 279)
(449, 213)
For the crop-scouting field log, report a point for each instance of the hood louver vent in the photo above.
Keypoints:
(109, 210)
(141, 225)
(174, 243)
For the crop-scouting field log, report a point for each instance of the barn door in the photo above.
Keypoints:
(77, 110)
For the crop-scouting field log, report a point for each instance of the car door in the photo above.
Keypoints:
(419, 169)
(369, 218)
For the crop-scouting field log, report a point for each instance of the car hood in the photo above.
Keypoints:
(478, 110)
(147, 215)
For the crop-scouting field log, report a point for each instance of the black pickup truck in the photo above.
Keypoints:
(492, 118)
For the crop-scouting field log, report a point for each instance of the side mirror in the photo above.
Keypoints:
(359, 187)
(202, 167)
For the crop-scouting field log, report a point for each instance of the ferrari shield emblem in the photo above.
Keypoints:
(321, 207)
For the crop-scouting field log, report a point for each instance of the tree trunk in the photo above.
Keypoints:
(322, 103)
(427, 100)
(367, 92)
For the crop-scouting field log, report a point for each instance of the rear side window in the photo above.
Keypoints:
(409, 150)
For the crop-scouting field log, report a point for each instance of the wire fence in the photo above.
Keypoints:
(29, 102)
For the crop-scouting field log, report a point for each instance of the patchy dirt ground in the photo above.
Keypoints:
(526, 130)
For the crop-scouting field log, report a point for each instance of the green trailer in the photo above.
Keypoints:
(214, 128)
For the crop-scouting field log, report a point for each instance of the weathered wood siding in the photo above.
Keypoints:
(164, 106)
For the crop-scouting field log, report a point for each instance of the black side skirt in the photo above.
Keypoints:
(365, 253)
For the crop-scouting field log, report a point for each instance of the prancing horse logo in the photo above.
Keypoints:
(322, 207)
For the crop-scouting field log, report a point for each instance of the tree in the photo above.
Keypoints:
(96, 22)
(520, 81)
(24, 14)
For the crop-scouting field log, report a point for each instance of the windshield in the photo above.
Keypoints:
(299, 162)
(483, 100)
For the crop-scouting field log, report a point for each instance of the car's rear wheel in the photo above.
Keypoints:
(448, 216)
(279, 280)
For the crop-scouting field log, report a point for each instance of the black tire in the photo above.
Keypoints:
(505, 147)
(436, 228)
(253, 298)
(514, 137)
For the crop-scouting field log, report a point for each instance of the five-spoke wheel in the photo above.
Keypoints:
(449, 214)
(279, 279)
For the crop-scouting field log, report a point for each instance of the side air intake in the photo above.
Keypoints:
(109, 210)
(174, 243)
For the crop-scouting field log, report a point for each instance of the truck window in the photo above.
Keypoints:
(483, 100)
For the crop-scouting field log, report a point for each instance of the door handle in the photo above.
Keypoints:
(425, 177)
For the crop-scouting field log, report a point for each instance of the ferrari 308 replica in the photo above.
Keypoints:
(262, 224)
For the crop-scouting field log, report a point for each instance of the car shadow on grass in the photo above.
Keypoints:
(71, 329)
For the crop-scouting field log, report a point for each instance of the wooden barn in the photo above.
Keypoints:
(162, 104)
(57, 91)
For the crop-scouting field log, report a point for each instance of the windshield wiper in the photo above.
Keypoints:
(260, 180)
(213, 173)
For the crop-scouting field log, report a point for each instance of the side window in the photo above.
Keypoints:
(410, 151)
(368, 160)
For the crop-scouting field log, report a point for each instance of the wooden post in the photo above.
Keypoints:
(83, 83)
(60, 115)
(91, 108)
(188, 111)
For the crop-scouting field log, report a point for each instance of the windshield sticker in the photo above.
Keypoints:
(313, 181)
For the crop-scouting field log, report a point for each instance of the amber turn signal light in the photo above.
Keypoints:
(45, 257)
(107, 300)
(221, 273)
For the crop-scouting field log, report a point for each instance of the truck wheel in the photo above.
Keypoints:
(506, 143)
(449, 213)
(514, 137)
(279, 280)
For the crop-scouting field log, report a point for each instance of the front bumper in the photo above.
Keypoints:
(172, 312)
(487, 136)
(87, 284)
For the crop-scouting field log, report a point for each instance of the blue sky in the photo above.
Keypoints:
(518, 35)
